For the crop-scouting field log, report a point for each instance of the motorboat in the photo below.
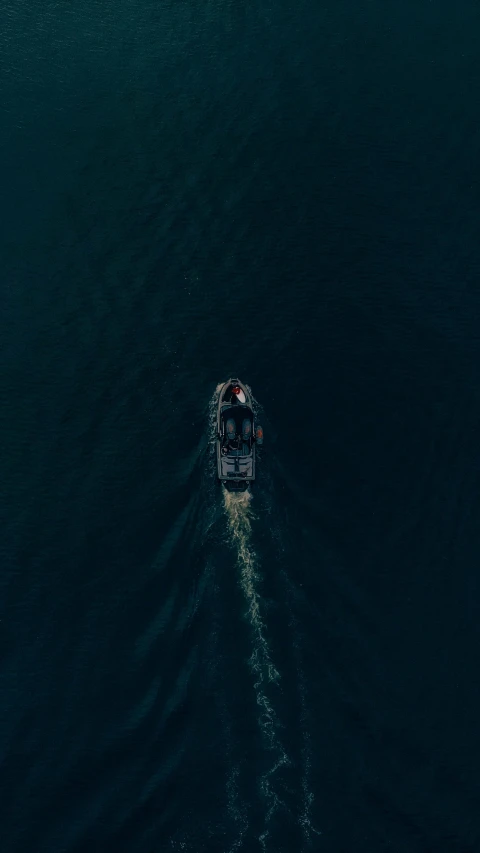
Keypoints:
(237, 435)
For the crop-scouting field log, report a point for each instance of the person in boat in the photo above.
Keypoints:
(232, 444)
(236, 443)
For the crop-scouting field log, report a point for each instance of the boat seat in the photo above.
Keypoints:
(246, 429)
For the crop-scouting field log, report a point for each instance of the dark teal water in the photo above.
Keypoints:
(288, 193)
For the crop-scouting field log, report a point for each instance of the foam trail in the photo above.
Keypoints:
(238, 508)
(239, 515)
(278, 537)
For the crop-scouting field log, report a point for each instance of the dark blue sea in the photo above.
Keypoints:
(288, 193)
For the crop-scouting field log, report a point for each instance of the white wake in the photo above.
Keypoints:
(239, 513)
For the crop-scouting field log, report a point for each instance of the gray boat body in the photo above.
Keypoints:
(235, 437)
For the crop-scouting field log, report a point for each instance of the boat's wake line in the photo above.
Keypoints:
(278, 536)
(238, 509)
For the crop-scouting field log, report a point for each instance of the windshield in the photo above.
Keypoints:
(238, 414)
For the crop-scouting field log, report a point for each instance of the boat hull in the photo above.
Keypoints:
(235, 465)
